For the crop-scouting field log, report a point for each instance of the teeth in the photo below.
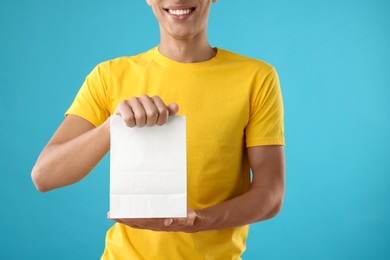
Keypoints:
(179, 12)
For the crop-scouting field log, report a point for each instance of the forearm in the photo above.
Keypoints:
(263, 200)
(68, 162)
(252, 206)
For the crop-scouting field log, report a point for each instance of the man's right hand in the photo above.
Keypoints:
(145, 110)
(77, 145)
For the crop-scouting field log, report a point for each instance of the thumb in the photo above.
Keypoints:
(173, 108)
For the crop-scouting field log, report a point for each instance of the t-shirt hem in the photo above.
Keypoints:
(85, 116)
(265, 141)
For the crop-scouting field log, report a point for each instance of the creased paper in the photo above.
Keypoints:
(148, 173)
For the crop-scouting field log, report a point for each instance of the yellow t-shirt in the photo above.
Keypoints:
(230, 102)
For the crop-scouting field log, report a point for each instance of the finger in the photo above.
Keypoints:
(163, 112)
(150, 109)
(180, 221)
(191, 216)
(140, 223)
(188, 221)
(168, 222)
(124, 222)
(138, 110)
(116, 219)
(173, 108)
(124, 110)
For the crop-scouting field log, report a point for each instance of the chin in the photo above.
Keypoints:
(181, 34)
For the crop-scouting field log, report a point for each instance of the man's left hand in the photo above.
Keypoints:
(161, 224)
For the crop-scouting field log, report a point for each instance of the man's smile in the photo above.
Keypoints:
(180, 12)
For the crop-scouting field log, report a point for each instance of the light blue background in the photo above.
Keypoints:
(333, 60)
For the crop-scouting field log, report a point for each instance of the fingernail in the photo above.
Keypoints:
(168, 222)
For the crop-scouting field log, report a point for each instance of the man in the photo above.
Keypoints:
(234, 113)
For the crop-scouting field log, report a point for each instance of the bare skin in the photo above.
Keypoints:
(184, 41)
(263, 200)
(77, 146)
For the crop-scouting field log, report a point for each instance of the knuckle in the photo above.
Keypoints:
(152, 114)
(129, 121)
(140, 116)
(156, 97)
(133, 99)
(129, 118)
(163, 112)
(122, 104)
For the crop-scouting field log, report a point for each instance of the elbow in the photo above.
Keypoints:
(38, 180)
(275, 200)
(277, 207)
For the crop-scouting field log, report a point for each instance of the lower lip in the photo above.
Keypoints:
(180, 17)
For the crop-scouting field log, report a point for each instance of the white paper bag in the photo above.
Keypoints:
(148, 173)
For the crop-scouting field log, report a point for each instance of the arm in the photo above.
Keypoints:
(75, 148)
(77, 145)
(263, 200)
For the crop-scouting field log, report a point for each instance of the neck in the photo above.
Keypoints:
(192, 50)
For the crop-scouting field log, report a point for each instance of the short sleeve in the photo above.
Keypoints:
(265, 125)
(91, 100)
